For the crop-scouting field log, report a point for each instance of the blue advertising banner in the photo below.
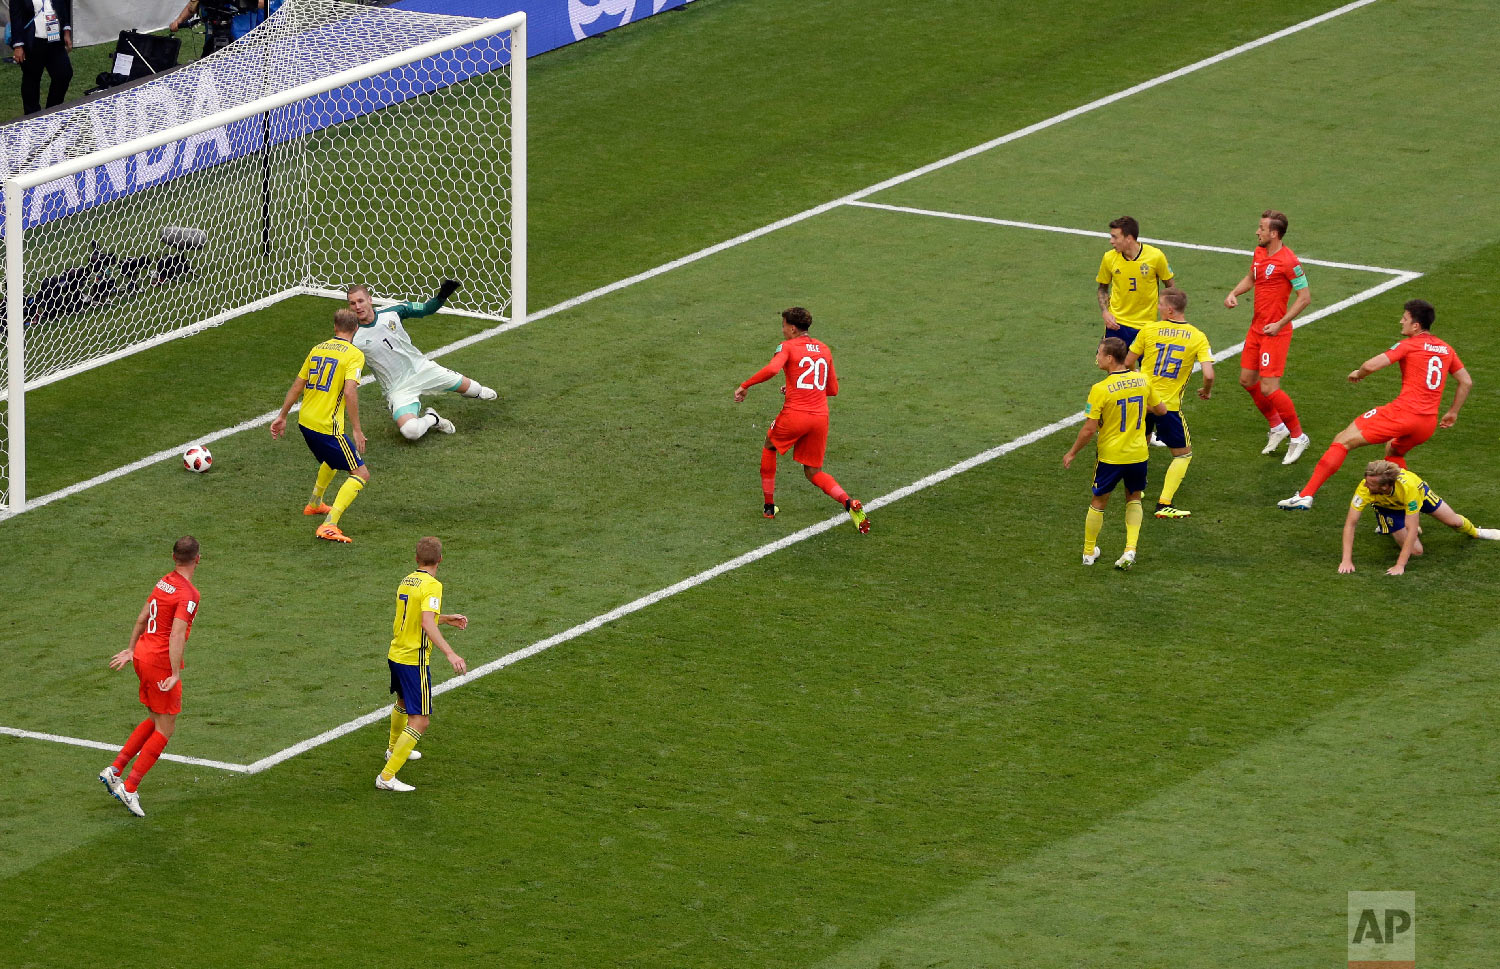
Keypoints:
(552, 23)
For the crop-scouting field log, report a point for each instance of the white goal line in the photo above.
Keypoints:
(172, 453)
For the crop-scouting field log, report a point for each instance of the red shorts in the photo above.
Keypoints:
(1396, 426)
(1266, 354)
(809, 432)
(155, 700)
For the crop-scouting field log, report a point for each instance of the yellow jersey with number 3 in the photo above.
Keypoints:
(1134, 284)
(327, 367)
(1119, 403)
(418, 593)
(1409, 495)
(1168, 350)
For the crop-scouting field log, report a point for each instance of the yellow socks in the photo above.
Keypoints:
(398, 724)
(1091, 528)
(404, 746)
(1176, 471)
(325, 478)
(347, 494)
(1467, 527)
(1133, 516)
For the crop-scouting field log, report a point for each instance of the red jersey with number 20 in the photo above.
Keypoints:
(1425, 363)
(1275, 277)
(810, 379)
(174, 597)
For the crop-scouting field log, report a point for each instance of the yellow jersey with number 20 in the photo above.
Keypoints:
(327, 368)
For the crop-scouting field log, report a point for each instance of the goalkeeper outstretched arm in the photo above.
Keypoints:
(418, 310)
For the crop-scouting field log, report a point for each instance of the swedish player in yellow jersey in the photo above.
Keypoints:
(1394, 492)
(419, 609)
(1132, 275)
(1166, 351)
(328, 385)
(1116, 411)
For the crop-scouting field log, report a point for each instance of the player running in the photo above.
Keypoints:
(802, 424)
(1167, 351)
(1275, 273)
(328, 384)
(157, 642)
(1116, 411)
(1412, 417)
(404, 373)
(1132, 275)
(419, 604)
(1395, 493)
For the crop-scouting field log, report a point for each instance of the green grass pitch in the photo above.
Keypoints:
(942, 744)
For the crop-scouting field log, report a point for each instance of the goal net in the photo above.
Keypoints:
(336, 143)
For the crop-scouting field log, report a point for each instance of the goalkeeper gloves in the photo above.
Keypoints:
(449, 287)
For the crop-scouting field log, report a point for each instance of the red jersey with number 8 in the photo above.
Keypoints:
(810, 379)
(1425, 363)
(174, 597)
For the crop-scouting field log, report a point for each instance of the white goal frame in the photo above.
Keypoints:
(16, 186)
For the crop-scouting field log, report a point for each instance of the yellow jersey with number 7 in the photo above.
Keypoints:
(418, 593)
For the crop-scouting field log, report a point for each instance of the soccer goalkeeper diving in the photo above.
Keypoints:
(404, 373)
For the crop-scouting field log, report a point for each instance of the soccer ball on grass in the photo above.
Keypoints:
(197, 459)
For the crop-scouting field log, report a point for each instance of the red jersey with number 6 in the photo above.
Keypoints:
(174, 597)
(1425, 363)
(810, 379)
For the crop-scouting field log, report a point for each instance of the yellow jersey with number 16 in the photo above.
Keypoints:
(1168, 351)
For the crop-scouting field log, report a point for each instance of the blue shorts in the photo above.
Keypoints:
(1126, 333)
(1106, 476)
(412, 686)
(336, 451)
(1170, 428)
(1389, 521)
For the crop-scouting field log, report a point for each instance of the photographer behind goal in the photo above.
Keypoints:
(225, 21)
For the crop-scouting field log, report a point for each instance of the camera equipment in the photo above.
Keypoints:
(139, 55)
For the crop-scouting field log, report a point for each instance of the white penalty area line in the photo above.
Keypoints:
(636, 605)
(115, 748)
(1067, 230)
(593, 294)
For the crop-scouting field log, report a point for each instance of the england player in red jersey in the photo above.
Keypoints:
(1412, 417)
(802, 425)
(156, 645)
(1274, 274)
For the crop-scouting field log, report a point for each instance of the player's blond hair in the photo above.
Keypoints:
(1176, 299)
(429, 551)
(345, 321)
(1114, 348)
(1383, 471)
(357, 288)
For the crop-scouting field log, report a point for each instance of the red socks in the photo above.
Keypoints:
(149, 752)
(1267, 409)
(830, 487)
(1331, 461)
(1286, 409)
(768, 474)
(138, 738)
(1398, 460)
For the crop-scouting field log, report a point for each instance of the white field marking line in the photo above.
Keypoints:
(757, 554)
(636, 605)
(961, 217)
(115, 748)
(667, 267)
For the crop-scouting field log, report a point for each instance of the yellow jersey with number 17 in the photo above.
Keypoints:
(1119, 403)
(418, 593)
(1168, 350)
(1134, 284)
(328, 366)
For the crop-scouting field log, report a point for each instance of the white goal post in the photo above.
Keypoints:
(337, 143)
